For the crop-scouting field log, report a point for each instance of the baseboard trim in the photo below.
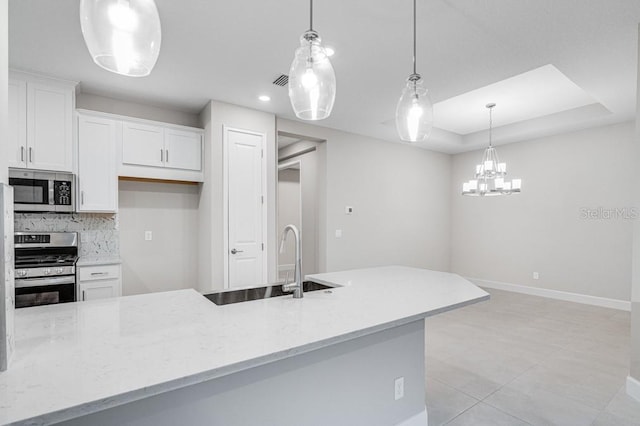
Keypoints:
(420, 419)
(622, 305)
(633, 388)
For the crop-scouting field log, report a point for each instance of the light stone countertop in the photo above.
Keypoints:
(98, 260)
(77, 358)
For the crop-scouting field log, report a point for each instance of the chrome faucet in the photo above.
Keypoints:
(297, 286)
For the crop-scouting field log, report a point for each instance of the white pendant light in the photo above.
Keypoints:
(489, 178)
(123, 36)
(312, 81)
(414, 113)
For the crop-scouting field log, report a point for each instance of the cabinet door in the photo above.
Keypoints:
(142, 144)
(49, 127)
(17, 149)
(97, 175)
(99, 289)
(183, 149)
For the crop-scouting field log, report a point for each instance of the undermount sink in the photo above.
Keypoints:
(247, 294)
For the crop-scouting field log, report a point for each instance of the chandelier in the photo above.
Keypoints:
(490, 174)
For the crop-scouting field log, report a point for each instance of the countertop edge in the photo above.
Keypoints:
(98, 261)
(157, 389)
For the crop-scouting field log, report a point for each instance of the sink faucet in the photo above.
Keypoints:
(297, 286)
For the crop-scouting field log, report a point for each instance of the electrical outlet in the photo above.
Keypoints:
(348, 210)
(148, 235)
(536, 276)
(399, 388)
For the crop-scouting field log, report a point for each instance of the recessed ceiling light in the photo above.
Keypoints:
(264, 98)
(329, 51)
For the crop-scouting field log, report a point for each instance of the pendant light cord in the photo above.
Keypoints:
(414, 36)
(311, 15)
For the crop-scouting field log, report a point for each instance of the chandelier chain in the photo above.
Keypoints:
(490, 126)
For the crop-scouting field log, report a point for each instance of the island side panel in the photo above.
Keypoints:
(347, 383)
(7, 289)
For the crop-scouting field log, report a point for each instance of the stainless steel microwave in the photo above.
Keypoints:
(42, 191)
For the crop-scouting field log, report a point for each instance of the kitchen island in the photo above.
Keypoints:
(332, 357)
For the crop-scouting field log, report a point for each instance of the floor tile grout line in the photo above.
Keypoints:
(461, 413)
(566, 328)
(456, 389)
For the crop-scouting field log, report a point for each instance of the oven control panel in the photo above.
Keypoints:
(45, 272)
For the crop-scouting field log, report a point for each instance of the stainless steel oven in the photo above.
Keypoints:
(42, 191)
(45, 268)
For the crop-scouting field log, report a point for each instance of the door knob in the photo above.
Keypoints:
(234, 251)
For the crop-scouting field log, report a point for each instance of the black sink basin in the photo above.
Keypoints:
(245, 295)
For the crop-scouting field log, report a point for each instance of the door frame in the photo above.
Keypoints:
(225, 200)
(288, 164)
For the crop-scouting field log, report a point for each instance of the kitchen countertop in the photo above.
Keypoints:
(77, 358)
(98, 260)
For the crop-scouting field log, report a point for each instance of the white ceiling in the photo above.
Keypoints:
(284, 141)
(231, 51)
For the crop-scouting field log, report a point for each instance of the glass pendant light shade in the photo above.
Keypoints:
(312, 81)
(414, 113)
(123, 36)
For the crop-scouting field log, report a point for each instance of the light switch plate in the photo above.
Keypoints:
(399, 388)
(348, 210)
(338, 233)
(148, 235)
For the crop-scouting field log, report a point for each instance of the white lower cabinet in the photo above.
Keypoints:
(99, 282)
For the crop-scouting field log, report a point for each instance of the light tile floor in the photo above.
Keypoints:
(526, 360)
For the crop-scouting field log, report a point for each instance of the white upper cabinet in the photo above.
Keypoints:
(40, 123)
(183, 150)
(17, 124)
(143, 144)
(97, 167)
(163, 151)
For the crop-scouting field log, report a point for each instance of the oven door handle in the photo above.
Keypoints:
(37, 282)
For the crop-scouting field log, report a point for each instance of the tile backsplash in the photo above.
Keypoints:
(98, 233)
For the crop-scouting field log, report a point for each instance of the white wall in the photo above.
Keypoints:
(635, 270)
(400, 196)
(506, 239)
(169, 261)
(289, 199)
(6, 310)
(131, 109)
(213, 119)
(4, 89)
(308, 154)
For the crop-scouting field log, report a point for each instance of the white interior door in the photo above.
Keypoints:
(245, 182)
